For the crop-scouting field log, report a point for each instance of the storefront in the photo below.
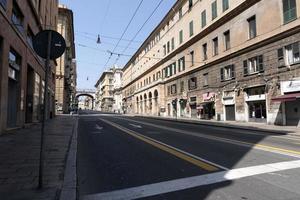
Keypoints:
(193, 107)
(182, 107)
(228, 101)
(207, 107)
(290, 99)
(256, 104)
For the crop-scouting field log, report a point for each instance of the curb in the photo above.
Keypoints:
(216, 124)
(69, 188)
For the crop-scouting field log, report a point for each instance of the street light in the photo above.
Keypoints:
(98, 40)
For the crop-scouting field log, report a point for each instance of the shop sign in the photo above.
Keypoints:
(260, 97)
(209, 96)
(290, 86)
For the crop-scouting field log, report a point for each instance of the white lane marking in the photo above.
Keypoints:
(217, 138)
(99, 127)
(191, 182)
(135, 125)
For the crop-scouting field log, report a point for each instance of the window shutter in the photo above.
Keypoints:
(260, 63)
(245, 67)
(222, 74)
(183, 63)
(174, 66)
(189, 84)
(232, 71)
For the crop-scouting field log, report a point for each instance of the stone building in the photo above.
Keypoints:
(21, 70)
(108, 91)
(222, 60)
(65, 90)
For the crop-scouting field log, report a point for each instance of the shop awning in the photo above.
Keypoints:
(287, 97)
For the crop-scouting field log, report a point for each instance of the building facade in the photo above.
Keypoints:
(22, 74)
(220, 59)
(65, 89)
(108, 91)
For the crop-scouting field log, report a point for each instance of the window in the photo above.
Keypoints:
(227, 40)
(205, 79)
(14, 60)
(181, 64)
(180, 37)
(252, 27)
(280, 55)
(180, 12)
(191, 28)
(192, 83)
(172, 44)
(3, 3)
(227, 73)
(173, 66)
(215, 46)
(169, 90)
(30, 36)
(204, 49)
(165, 50)
(225, 5)
(192, 54)
(289, 10)
(173, 89)
(292, 53)
(168, 47)
(190, 4)
(17, 17)
(158, 75)
(181, 86)
(253, 65)
(153, 77)
(214, 12)
(203, 18)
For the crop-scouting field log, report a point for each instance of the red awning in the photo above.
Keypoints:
(287, 97)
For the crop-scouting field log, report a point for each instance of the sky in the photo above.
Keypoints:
(109, 19)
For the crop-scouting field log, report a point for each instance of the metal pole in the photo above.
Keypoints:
(45, 103)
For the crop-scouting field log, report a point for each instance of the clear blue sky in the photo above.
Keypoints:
(109, 18)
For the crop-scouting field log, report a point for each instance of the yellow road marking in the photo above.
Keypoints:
(199, 163)
(232, 141)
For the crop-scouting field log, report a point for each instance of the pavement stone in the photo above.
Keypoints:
(19, 160)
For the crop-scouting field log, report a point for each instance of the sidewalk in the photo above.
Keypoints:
(286, 130)
(19, 160)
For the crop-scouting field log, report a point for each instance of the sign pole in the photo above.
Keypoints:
(45, 105)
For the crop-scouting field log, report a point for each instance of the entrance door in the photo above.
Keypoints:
(230, 112)
(257, 111)
(29, 95)
(12, 103)
(293, 113)
(194, 111)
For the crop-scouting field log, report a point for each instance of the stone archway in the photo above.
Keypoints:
(156, 107)
(150, 103)
(87, 95)
(137, 105)
(141, 104)
(145, 104)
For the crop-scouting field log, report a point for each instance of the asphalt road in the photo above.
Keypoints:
(121, 157)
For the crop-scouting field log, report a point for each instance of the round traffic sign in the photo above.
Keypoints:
(40, 44)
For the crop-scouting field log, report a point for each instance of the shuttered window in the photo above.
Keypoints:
(289, 10)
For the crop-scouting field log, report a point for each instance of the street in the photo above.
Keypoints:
(122, 157)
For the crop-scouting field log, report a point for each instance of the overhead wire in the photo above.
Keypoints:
(134, 14)
(141, 28)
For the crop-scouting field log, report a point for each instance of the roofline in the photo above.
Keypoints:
(176, 4)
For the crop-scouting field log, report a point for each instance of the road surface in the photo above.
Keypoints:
(122, 157)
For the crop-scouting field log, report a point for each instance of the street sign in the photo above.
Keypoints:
(40, 42)
(49, 45)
